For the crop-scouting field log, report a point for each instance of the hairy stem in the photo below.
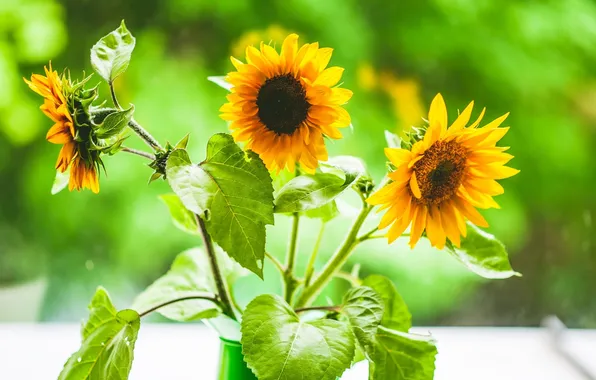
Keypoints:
(338, 259)
(143, 134)
(114, 98)
(289, 279)
(202, 296)
(139, 153)
(222, 290)
(310, 268)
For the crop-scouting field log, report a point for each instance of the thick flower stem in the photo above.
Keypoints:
(337, 261)
(222, 289)
(290, 282)
(143, 134)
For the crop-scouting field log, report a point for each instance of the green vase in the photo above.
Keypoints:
(231, 362)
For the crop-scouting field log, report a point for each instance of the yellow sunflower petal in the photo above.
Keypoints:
(414, 186)
(397, 156)
(418, 224)
(329, 77)
(434, 229)
(438, 113)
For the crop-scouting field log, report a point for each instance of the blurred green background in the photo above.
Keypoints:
(536, 59)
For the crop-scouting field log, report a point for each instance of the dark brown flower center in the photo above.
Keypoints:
(282, 104)
(440, 171)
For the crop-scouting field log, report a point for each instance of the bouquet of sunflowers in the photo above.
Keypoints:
(281, 107)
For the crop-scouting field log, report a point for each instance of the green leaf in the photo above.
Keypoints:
(396, 315)
(188, 276)
(221, 82)
(326, 213)
(114, 123)
(183, 142)
(233, 190)
(483, 254)
(111, 54)
(398, 355)
(277, 345)
(364, 309)
(60, 181)
(109, 337)
(344, 166)
(181, 216)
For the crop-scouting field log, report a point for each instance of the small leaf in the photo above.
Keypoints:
(221, 82)
(60, 181)
(183, 142)
(364, 309)
(107, 350)
(111, 54)
(483, 254)
(277, 345)
(396, 315)
(326, 213)
(233, 190)
(398, 355)
(393, 140)
(114, 123)
(181, 216)
(189, 276)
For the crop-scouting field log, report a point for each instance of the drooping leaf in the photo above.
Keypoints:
(107, 350)
(221, 82)
(114, 123)
(364, 309)
(181, 216)
(483, 254)
(60, 181)
(401, 356)
(396, 315)
(277, 345)
(232, 190)
(111, 54)
(188, 276)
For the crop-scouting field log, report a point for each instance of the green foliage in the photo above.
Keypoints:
(398, 355)
(326, 213)
(60, 181)
(181, 216)
(107, 349)
(221, 82)
(111, 54)
(232, 190)
(114, 123)
(189, 276)
(396, 315)
(483, 254)
(277, 345)
(364, 308)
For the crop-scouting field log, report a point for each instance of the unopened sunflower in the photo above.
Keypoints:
(284, 104)
(440, 180)
(70, 129)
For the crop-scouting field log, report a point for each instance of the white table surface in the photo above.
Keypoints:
(190, 352)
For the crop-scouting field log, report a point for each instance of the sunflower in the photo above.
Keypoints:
(59, 105)
(283, 105)
(440, 180)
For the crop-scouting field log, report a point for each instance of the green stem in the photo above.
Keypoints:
(139, 153)
(205, 296)
(310, 268)
(114, 98)
(289, 279)
(338, 259)
(143, 134)
(355, 281)
(276, 263)
(220, 284)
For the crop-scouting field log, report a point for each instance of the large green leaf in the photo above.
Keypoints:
(396, 315)
(232, 190)
(189, 276)
(111, 54)
(401, 356)
(181, 216)
(326, 213)
(107, 350)
(277, 345)
(483, 254)
(364, 309)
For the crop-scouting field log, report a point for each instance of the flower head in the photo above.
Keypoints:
(65, 104)
(440, 180)
(284, 104)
